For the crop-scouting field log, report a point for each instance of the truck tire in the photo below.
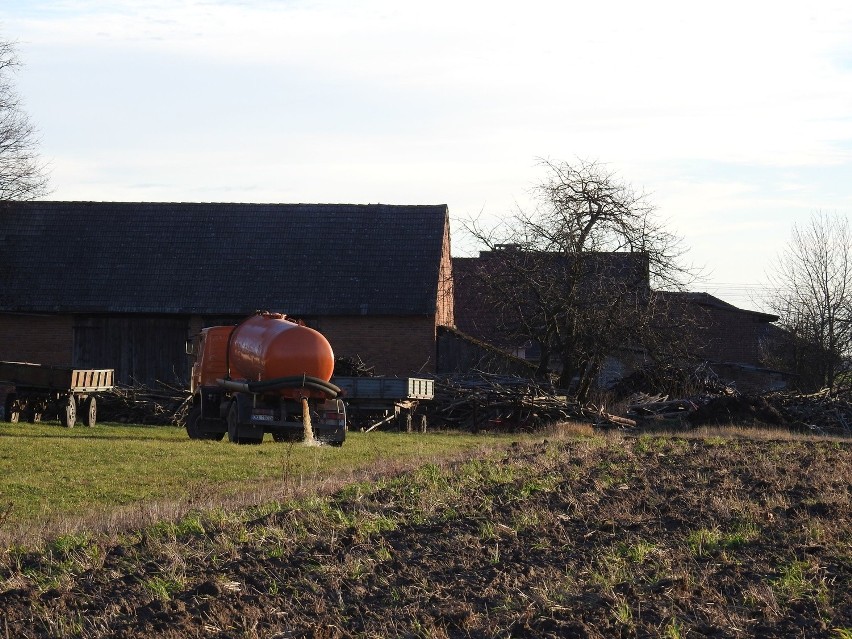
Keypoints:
(67, 412)
(192, 420)
(31, 410)
(89, 410)
(234, 434)
(193, 426)
(233, 424)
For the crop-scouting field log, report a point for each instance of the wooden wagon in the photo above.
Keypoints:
(41, 390)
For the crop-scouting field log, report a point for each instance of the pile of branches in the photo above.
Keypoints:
(662, 395)
(700, 397)
(660, 407)
(825, 412)
(352, 367)
(672, 381)
(482, 401)
(140, 404)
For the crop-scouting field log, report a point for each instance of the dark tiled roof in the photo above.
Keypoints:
(301, 259)
(711, 301)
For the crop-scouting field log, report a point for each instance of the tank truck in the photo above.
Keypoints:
(266, 375)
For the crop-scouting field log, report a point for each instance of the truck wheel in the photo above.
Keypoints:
(67, 412)
(233, 424)
(89, 411)
(234, 431)
(193, 426)
(192, 422)
(13, 409)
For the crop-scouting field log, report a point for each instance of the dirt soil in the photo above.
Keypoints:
(615, 537)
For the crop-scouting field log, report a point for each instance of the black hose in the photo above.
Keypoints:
(295, 381)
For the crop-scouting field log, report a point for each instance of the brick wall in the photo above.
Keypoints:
(42, 339)
(393, 345)
(730, 336)
(445, 303)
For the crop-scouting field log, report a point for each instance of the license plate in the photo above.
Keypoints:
(262, 418)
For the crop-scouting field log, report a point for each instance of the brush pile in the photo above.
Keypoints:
(164, 405)
(673, 381)
(672, 397)
(481, 401)
(827, 411)
(352, 367)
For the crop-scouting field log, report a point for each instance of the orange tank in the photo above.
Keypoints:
(268, 346)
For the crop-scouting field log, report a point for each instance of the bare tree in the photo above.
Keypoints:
(584, 207)
(812, 294)
(573, 275)
(22, 174)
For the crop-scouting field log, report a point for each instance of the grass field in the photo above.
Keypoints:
(51, 475)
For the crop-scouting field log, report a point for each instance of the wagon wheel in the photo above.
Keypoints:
(32, 414)
(13, 409)
(67, 412)
(89, 411)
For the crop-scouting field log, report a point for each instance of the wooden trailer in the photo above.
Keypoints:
(47, 390)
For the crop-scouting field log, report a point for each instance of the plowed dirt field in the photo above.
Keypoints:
(599, 537)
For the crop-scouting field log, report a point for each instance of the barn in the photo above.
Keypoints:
(123, 285)
(737, 343)
(732, 340)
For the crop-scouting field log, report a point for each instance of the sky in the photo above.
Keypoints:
(735, 117)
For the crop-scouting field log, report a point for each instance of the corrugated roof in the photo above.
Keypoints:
(186, 258)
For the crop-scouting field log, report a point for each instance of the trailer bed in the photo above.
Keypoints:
(378, 401)
(58, 378)
(393, 388)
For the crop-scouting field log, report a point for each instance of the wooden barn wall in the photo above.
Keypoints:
(460, 353)
(142, 350)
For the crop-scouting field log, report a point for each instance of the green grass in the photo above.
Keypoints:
(48, 471)
(800, 580)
